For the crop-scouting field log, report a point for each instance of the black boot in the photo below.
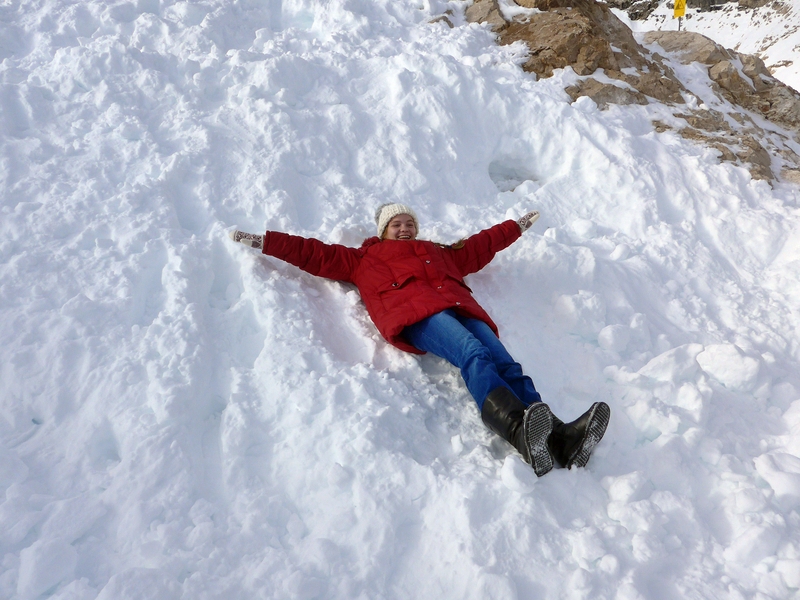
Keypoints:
(525, 428)
(571, 444)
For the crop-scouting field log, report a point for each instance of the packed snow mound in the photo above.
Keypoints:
(181, 417)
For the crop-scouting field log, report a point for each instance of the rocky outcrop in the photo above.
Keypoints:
(486, 11)
(586, 36)
(604, 93)
(752, 3)
(638, 10)
(742, 79)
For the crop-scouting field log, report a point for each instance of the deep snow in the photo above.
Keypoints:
(181, 417)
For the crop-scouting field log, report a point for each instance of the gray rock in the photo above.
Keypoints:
(688, 46)
(604, 94)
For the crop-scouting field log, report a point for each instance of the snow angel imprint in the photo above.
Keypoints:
(415, 293)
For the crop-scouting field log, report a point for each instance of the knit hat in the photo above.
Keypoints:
(387, 212)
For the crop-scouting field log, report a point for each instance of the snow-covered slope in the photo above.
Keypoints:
(771, 32)
(181, 417)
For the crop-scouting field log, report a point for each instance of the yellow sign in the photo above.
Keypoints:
(680, 8)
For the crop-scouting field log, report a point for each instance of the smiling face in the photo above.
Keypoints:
(401, 227)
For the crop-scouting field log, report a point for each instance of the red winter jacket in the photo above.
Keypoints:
(401, 281)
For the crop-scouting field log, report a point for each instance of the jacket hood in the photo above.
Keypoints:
(370, 242)
(376, 240)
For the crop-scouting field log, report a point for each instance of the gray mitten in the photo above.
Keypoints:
(248, 239)
(528, 220)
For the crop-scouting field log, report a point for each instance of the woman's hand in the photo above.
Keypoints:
(526, 221)
(248, 239)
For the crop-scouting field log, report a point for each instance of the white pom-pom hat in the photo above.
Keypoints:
(387, 212)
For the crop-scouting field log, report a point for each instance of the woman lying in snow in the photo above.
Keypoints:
(415, 293)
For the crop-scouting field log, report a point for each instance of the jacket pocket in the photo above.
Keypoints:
(397, 284)
(396, 295)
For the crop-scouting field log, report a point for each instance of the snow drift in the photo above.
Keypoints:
(183, 418)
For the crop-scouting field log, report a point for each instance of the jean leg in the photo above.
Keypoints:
(508, 369)
(444, 335)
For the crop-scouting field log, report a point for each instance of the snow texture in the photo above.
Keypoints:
(181, 417)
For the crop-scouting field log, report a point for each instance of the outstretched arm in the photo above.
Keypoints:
(313, 256)
(479, 249)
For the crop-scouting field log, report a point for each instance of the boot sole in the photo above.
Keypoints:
(538, 424)
(595, 429)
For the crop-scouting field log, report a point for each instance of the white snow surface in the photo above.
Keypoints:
(771, 32)
(182, 417)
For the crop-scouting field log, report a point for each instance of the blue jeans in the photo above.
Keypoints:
(472, 346)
